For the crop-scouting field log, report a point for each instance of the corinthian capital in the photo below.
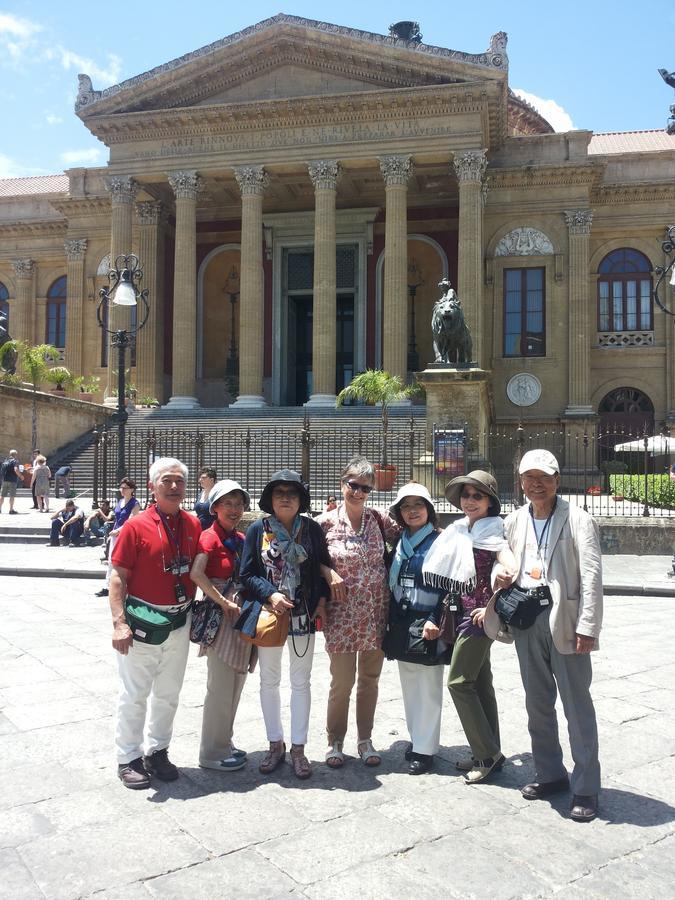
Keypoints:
(251, 179)
(579, 221)
(149, 212)
(185, 185)
(123, 189)
(325, 174)
(24, 268)
(470, 165)
(396, 169)
(75, 249)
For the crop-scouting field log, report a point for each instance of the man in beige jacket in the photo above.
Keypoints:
(557, 551)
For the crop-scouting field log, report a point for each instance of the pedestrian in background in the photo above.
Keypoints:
(62, 478)
(68, 523)
(207, 478)
(10, 470)
(126, 507)
(39, 483)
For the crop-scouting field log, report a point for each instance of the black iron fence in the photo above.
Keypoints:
(607, 472)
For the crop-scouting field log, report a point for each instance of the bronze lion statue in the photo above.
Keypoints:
(452, 339)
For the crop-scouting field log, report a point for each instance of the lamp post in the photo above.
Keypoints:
(667, 271)
(232, 290)
(122, 290)
(415, 280)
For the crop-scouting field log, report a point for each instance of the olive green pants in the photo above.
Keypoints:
(470, 686)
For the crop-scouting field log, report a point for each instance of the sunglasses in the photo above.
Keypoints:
(478, 497)
(354, 486)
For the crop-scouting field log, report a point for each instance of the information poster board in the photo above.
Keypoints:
(449, 452)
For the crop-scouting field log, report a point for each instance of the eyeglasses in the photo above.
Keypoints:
(354, 486)
(473, 496)
(281, 493)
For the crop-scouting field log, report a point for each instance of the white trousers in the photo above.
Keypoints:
(300, 670)
(155, 672)
(422, 689)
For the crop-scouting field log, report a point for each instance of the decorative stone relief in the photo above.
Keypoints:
(149, 212)
(470, 165)
(104, 266)
(75, 249)
(524, 242)
(185, 185)
(524, 389)
(497, 51)
(396, 169)
(24, 268)
(325, 174)
(579, 221)
(251, 179)
(85, 92)
(625, 339)
(123, 189)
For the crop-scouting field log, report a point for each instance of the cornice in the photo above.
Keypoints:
(643, 192)
(85, 206)
(544, 176)
(33, 229)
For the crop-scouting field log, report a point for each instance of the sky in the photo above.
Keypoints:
(589, 64)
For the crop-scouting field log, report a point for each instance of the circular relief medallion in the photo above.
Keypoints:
(523, 389)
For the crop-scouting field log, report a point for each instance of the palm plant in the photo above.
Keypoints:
(33, 363)
(377, 386)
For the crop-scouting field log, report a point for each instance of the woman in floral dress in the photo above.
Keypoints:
(356, 617)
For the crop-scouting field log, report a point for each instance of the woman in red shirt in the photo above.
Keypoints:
(228, 658)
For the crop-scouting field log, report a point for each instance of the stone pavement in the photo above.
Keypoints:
(69, 829)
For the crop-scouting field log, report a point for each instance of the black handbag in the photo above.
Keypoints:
(519, 607)
(404, 638)
(451, 613)
(206, 618)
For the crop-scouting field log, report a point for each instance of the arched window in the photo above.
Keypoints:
(56, 313)
(625, 292)
(4, 304)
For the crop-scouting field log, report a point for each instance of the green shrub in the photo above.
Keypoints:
(660, 489)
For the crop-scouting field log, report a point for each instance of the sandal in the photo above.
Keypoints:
(335, 758)
(368, 754)
(301, 765)
(273, 757)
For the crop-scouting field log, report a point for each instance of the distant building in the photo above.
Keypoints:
(265, 179)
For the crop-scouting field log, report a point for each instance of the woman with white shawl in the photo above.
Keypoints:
(460, 563)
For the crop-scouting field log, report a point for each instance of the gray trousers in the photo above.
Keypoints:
(546, 672)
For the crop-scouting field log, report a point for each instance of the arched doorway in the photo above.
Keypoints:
(624, 413)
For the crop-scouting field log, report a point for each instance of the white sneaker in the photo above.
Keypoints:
(231, 764)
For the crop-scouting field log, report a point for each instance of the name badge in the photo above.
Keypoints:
(183, 569)
(543, 601)
(535, 572)
(407, 581)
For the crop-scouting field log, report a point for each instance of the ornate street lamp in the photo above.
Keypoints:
(667, 271)
(232, 290)
(122, 290)
(415, 280)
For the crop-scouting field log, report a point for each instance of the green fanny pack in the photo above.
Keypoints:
(150, 625)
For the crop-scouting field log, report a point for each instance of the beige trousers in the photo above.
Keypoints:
(343, 670)
(223, 690)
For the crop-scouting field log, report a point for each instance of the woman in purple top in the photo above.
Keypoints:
(460, 562)
(126, 507)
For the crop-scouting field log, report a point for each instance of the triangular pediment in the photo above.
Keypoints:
(286, 57)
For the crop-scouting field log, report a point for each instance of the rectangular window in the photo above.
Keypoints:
(524, 312)
(56, 324)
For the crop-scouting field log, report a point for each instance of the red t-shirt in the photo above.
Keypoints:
(145, 549)
(221, 560)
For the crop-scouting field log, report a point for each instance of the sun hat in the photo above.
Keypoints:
(285, 476)
(479, 479)
(411, 489)
(542, 460)
(226, 486)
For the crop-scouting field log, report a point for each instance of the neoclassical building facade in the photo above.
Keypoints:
(295, 192)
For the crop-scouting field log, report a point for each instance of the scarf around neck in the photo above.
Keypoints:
(449, 564)
(405, 550)
(292, 553)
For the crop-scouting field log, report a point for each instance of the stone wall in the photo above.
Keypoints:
(59, 420)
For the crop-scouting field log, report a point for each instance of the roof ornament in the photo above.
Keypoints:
(497, 50)
(406, 31)
(85, 92)
(669, 78)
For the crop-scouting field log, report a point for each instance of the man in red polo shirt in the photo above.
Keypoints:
(151, 565)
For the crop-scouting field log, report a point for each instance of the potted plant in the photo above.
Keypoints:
(60, 377)
(372, 387)
(148, 402)
(87, 386)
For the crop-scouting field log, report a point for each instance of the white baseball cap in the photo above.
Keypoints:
(542, 460)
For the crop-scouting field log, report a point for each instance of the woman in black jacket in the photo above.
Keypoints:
(284, 562)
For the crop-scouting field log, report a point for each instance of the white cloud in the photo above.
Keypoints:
(16, 35)
(51, 119)
(558, 117)
(10, 168)
(109, 75)
(76, 157)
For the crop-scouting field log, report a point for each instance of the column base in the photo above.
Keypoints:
(249, 401)
(321, 401)
(182, 402)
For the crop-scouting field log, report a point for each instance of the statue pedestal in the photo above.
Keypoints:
(455, 397)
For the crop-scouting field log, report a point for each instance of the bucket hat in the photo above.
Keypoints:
(285, 476)
(226, 486)
(542, 460)
(412, 489)
(479, 479)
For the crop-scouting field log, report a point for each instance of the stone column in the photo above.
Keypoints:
(186, 186)
(123, 190)
(396, 170)
(252, 181)
(150, 339)
(579, 353)
(75, 253)
(470, 168)
(324, 174)
(22, 310)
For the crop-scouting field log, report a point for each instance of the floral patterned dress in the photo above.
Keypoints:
(360, 621)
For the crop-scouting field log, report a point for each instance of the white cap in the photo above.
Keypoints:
(226, 486)
(541, 460)
(412, 489)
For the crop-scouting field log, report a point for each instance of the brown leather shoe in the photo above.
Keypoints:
(159, 765)
(538, 790)
(133, 775)
(584, 807)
